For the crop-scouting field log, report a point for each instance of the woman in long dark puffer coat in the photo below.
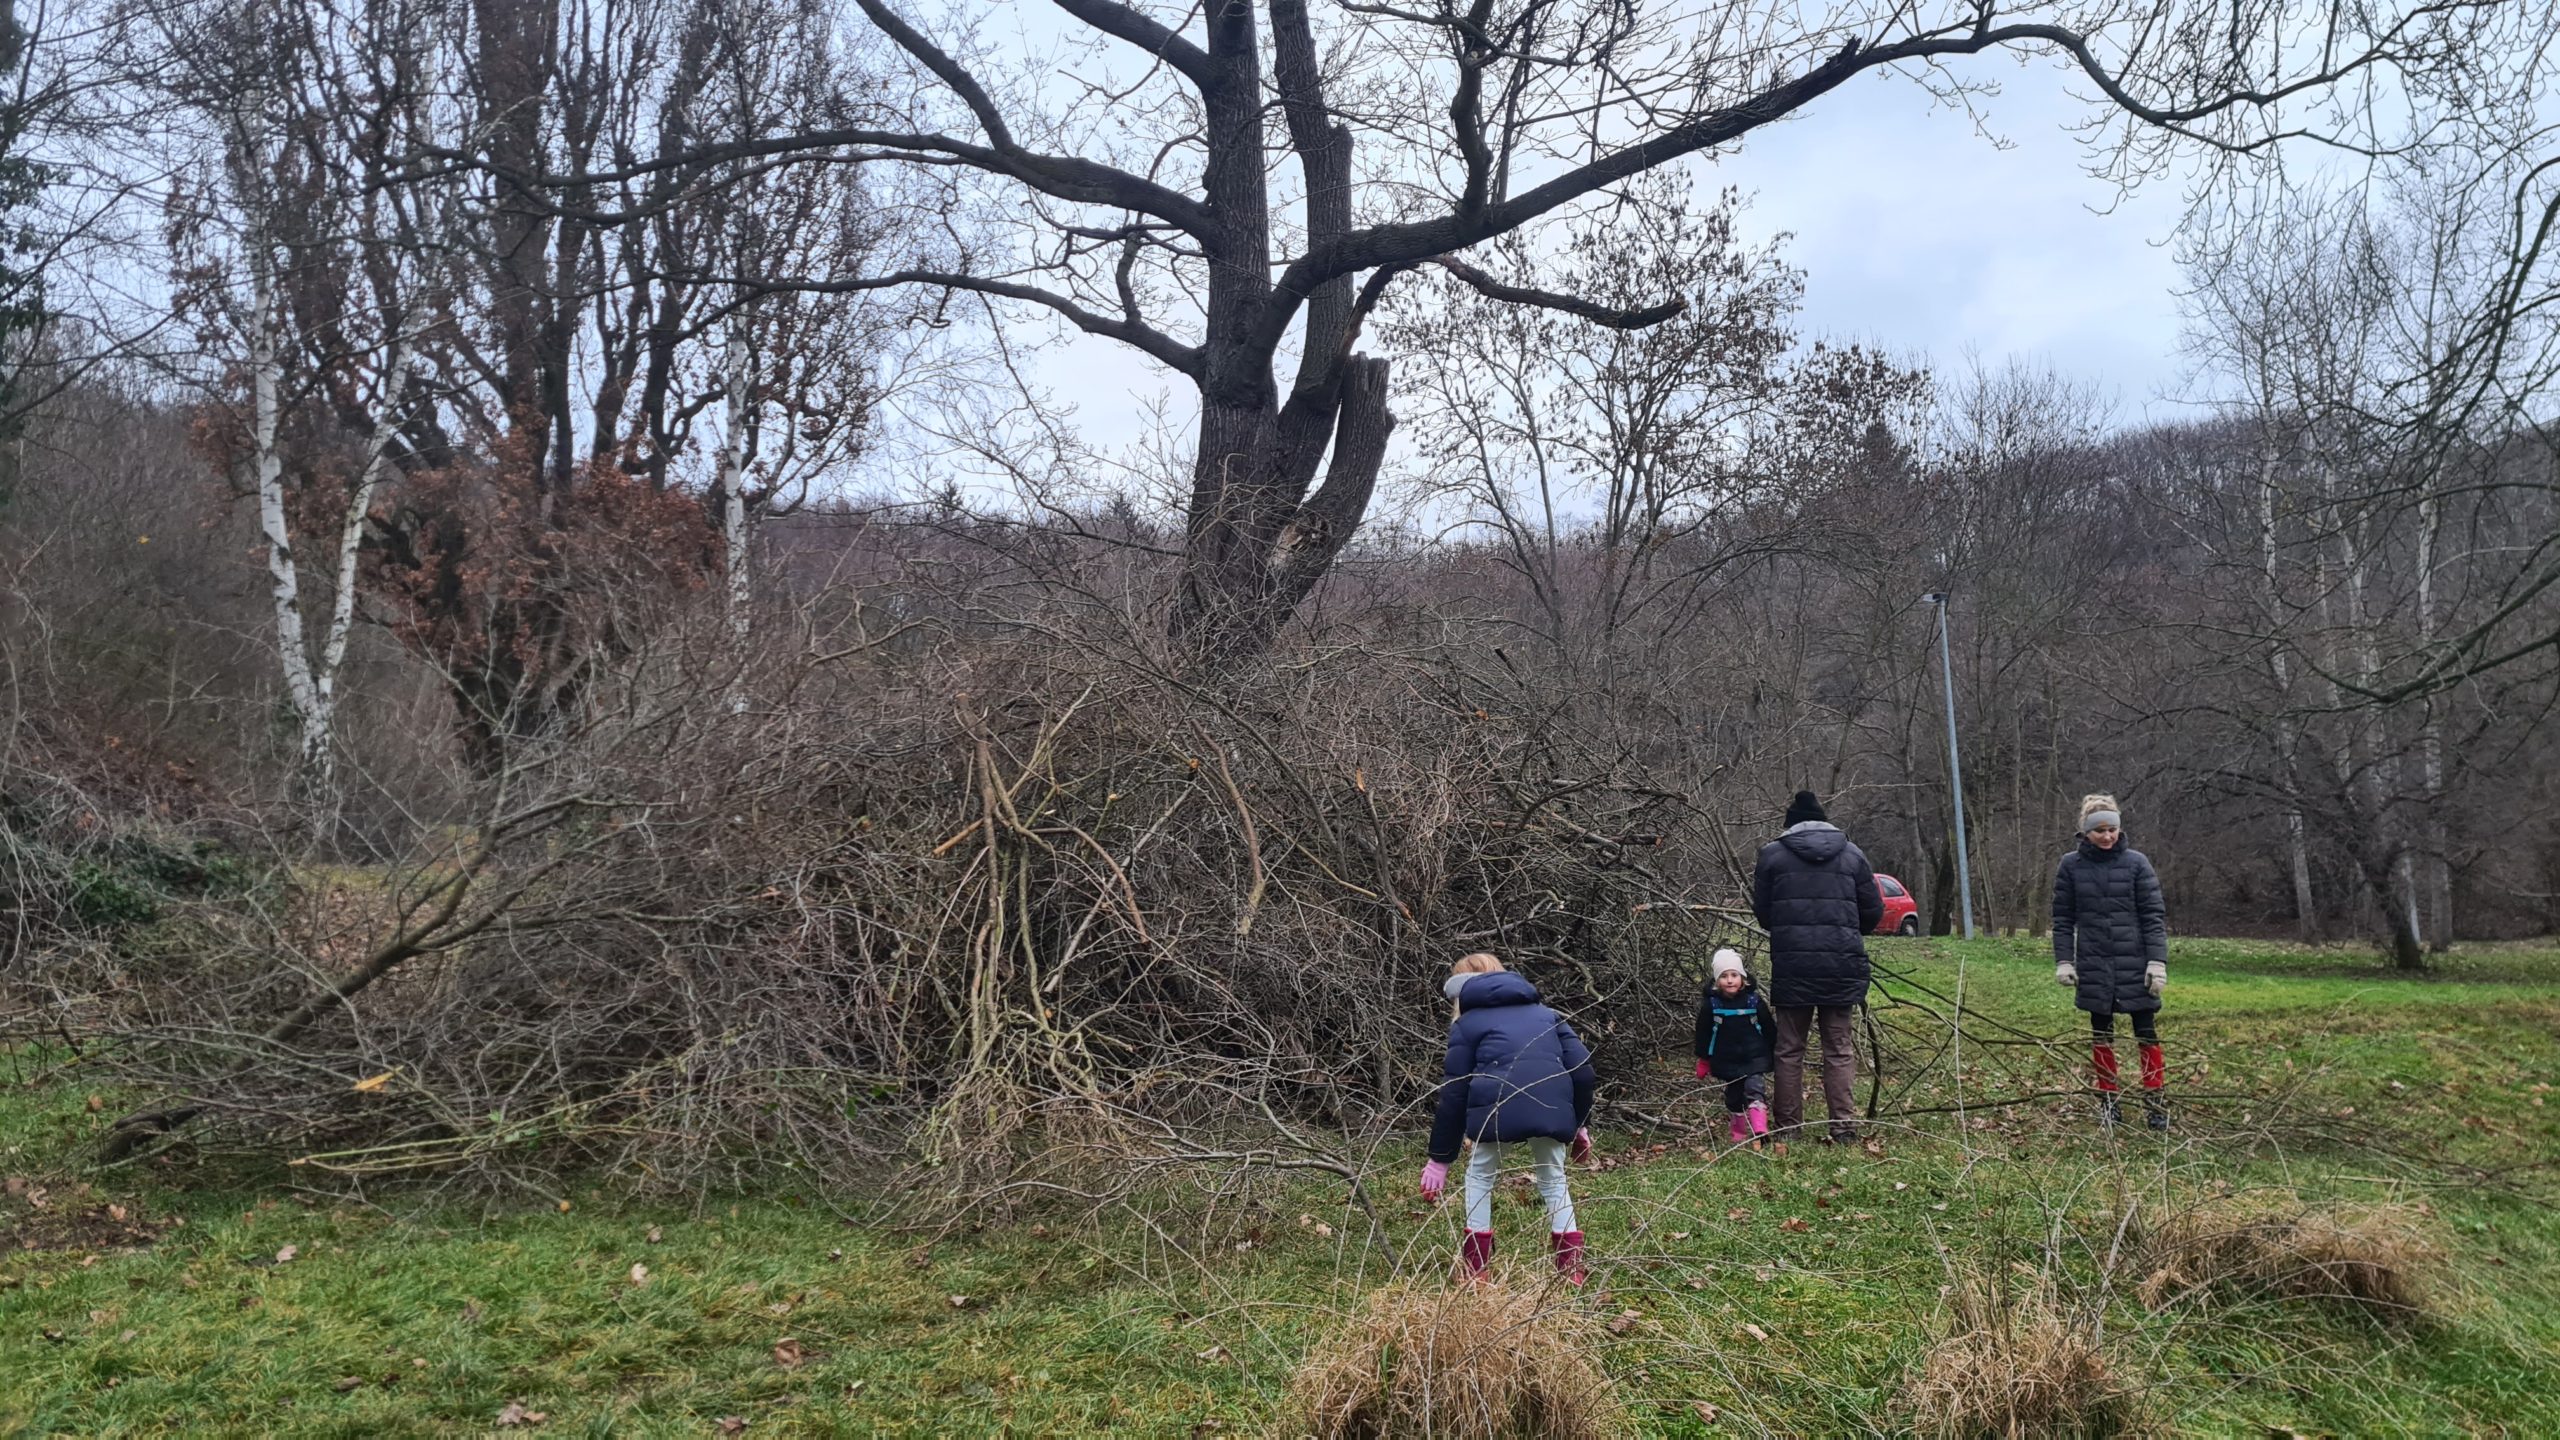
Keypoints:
(2111, 945)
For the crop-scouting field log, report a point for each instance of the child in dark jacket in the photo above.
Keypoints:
(1518, 1082)
(1736, 1042)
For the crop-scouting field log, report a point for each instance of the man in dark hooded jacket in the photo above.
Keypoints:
(1816, 895)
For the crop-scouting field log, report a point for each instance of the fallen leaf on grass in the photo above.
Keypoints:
(1215, 1355)
(116, 1213)
(564, 1207)
(730, 1424)
(1323, 1231)
(371, 1083)
(1737, 1216)
(1706, 1412)
(1625, 1321)
(1755, 1332)
(346, 1383)
(285, 1255)
(96, 1104)
(515, 1414)
(470, 1312)
(653, 1234)
(1679, 1234)
(958, 1302)
(788, 1354)
(1795, 1224)
(639, 1274)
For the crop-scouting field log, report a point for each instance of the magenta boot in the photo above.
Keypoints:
(1568, 1247)
(1759, 1123)
(1737, 1130)
(1476, 1252)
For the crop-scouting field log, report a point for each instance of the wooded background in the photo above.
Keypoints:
(530, 567)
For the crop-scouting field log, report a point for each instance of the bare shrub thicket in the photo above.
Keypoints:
(901, 883)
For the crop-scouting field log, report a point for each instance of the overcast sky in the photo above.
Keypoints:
(1918, 232)
(1915, 232)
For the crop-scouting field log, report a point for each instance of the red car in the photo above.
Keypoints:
(1901, 912)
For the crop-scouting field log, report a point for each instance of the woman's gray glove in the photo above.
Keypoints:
(2065, 973)
(2155, 977)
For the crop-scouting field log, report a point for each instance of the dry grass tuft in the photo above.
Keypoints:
(1513, 1358)
(2385, 1258)
(2014, 1365)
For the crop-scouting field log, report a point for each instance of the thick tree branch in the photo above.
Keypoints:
(1129, 330)
(1573, 305)
(1122, 23)
(1455, 231)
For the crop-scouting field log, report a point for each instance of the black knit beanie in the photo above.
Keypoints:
(1804, 807)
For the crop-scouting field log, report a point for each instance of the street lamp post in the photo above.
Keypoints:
(1955, 765)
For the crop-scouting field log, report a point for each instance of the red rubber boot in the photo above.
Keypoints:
(2155, 1081)
(1568, 1247)
(1475, 1253)
(2103, 1056)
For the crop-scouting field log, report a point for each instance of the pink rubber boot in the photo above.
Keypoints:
(1738, 1130)
(1476, 1252)
(1759, 1114)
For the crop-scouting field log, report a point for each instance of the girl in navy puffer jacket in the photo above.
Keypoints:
(1518, 1082)
(1736, 1040)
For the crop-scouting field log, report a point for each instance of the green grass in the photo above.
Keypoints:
(1182, 1311)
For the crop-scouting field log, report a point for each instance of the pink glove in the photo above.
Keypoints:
(1702, 1069)
(1435, 1178)
(1581, 1145)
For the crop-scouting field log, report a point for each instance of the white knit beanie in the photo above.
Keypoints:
(1727, 959)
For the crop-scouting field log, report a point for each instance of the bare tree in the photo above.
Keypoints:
(1147, 208)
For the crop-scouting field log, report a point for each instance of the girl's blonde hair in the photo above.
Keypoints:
(1482, 962)
(2091, 804)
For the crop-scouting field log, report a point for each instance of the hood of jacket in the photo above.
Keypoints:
(2092, 853)
(1501, 987)
(1818, 841)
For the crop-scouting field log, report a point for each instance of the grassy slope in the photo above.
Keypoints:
(426, 1318)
